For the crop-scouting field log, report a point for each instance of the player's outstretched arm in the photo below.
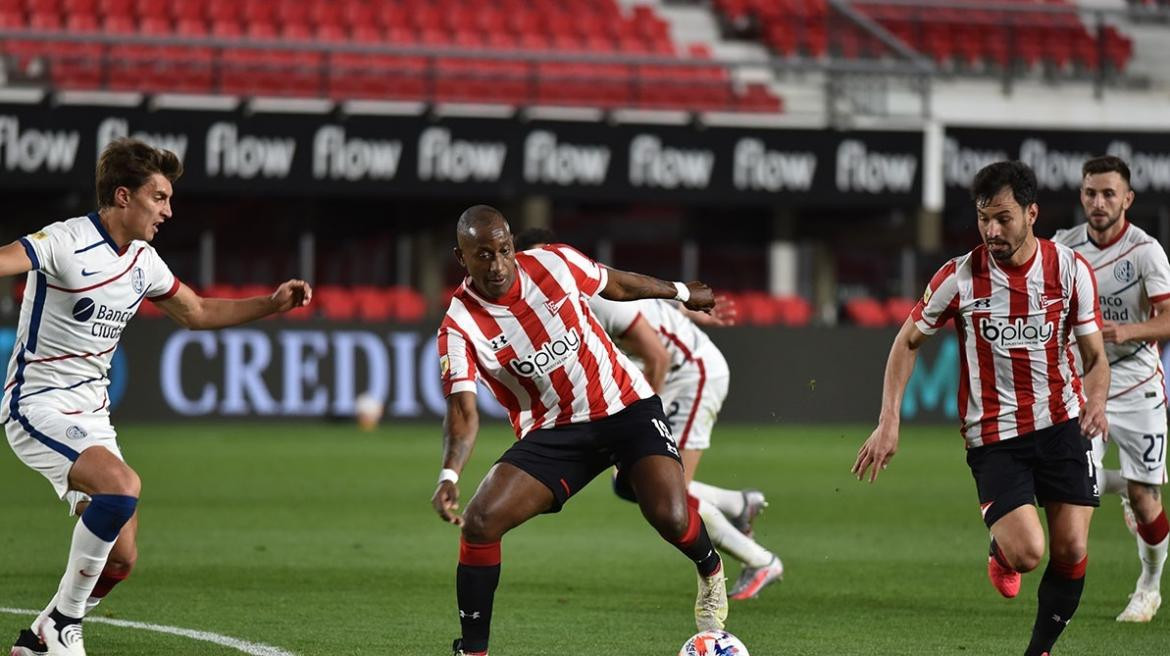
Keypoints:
(460, 427)
(14, 260)
(879, 449)
(629, 286)
(1096, 380)
(641, 341)
(191, 310)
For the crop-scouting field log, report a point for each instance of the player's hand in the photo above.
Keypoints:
(446, 502)
(877, 452)
(702, 298)
(1093, 420)
(1114, 333)
(292, 294)
(725, 312)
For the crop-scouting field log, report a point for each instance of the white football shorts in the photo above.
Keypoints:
(49, 441)
(692, 402)
(1140, 437)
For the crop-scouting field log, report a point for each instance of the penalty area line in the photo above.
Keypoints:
(245, 646)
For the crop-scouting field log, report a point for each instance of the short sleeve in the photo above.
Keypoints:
(616, 317)
(1156, 273)
(940, 301)
(590, 276)
(1085, 307)
(456, 360)
(47, 247)
(162, 283)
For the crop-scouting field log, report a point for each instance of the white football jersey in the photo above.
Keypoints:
(80, 293)
(1132, 275)
(684, 341)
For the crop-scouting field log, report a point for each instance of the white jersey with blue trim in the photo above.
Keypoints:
(80, 293)
(1132, 275)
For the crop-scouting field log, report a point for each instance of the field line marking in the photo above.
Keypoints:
(253, 648)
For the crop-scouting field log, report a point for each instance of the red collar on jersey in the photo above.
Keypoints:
(1124, 229)
(509, 297)
(1016, 270)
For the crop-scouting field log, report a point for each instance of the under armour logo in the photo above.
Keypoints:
(474, 615)
(1056, 618)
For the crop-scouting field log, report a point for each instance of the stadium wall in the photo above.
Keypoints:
(277, 369)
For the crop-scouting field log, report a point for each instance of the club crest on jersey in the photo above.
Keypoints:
(1042, 301)
(137, 280)
(549, 357)
(1016, 334)
(554, 306)
(1124, 271)
(76, 433)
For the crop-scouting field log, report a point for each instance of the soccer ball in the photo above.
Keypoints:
(713, 643)
(368, 411)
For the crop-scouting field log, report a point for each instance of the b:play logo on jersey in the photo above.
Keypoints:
(1016, 334)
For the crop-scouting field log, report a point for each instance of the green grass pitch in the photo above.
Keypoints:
(319, 539)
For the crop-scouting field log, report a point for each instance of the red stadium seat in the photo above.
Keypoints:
(898, 308)
(866, 312)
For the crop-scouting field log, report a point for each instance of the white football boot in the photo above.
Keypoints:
(1143, 605)
(711, 603)
(61, 634)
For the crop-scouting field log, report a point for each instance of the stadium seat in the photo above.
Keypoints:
(898, 308)
(258, 67)
(864, 311)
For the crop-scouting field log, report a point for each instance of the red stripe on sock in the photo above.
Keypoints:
(693, 523)
(1071, 572)
(1155, 531)
(107, 581)
(479, 555)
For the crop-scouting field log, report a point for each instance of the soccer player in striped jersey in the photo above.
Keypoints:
(87, 276)
(1133, 280)
(1027, 416)
(690, 374)
(520, 323)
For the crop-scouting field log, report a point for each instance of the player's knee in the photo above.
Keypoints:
(1070, 551)
(1026, 555)
(670, 519)
(478, 527)
(124, 481)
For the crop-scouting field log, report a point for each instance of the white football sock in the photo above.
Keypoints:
(87, 559)
(1153, 557)
(729, 502)
(728, 538)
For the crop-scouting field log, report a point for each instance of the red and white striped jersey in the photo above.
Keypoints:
(81, 291)
(1132, 275)
(539, 349)
(1016, 367)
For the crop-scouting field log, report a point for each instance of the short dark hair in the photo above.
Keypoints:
(529, 236)
(130, 163)
(1106, 164)
(991, 179)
